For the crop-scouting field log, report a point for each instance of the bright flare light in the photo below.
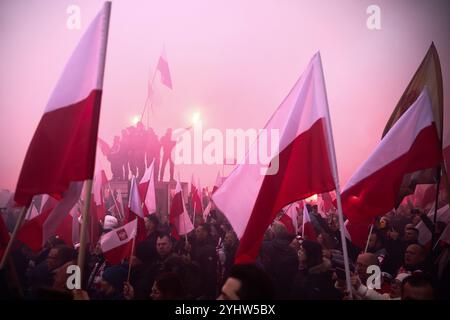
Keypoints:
(195, 118)
(135, 120)
(313, 198)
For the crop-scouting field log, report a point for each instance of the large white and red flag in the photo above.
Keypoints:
(163, 68)
(308, 231)
(63, 147)
(179, 218)
(117, 244)
(135, 210)
(147, 190)
(300, 167)
(197, 206)
(412, 144)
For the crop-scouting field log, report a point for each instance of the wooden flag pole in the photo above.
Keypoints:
(19, 221)
(84, 226)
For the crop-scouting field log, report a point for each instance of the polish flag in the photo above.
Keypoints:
(135, 210)
(53, 220)
(252, 195)
(147, 190)
(63, 147)
(308, 231)
(196, 198)
(325, 204)
(443, 214)
(410, 145)
(100, 181)
(117, 244)
(179, 218)
(163, 68)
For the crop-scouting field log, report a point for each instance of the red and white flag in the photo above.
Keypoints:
(308, 231)
(63, 147)
(196, 198)
(147, 190)
(135, 210)
(300, 167)
(117, 244)
(179, 218)
(163, 68)
(412, 144)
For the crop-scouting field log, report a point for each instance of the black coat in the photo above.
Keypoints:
(315, 283)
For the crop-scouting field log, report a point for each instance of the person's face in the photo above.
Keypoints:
(417, 293)
(230, 289)
(396, 288)
(410, 235)
(163, 246)
(320, 239)
(53, 259)
(334, 224)
(361, 266)
(200, 233)
(302, 258)
(156, 294)
(229, 239)
(413, 255)
(372, 241)
(149, 225)
(383, 223)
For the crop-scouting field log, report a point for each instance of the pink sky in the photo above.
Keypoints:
(233, 61)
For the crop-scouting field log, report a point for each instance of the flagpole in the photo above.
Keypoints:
(13, 236)
(148, 96)
(84, 226)
(368, 238)
(332, 152)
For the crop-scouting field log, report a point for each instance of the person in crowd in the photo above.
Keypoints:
(167, 286)
(417, 286)
(167, 145)
(247, 282)
(313, 280)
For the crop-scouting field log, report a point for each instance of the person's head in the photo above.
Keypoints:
(113, 279)
(384, 223)
(164, 245)
(167, 286)
(59, 255)
(396, 285)
(230, 239)
(363, 261)
(414, 255)
(202, 232)
(310, 254)
(151, 223)
(333, 223)
(247, 282)
(140, 125)
(411, 235)
(376, 241)
(417, 287)
(325, 241)
(279, 230)
(110, 223)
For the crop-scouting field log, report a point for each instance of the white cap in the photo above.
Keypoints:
(110, 222)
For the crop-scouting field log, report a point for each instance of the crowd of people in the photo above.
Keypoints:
(135, 150)
(201, 265)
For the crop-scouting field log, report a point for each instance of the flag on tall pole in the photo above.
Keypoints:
(179, 218)
(147, 190)
(251, 197)
(428, 75)
(62, 150)
(163, 68)
(412, 144)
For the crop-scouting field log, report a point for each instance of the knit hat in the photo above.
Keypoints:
(115, 276)
(110, 222)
